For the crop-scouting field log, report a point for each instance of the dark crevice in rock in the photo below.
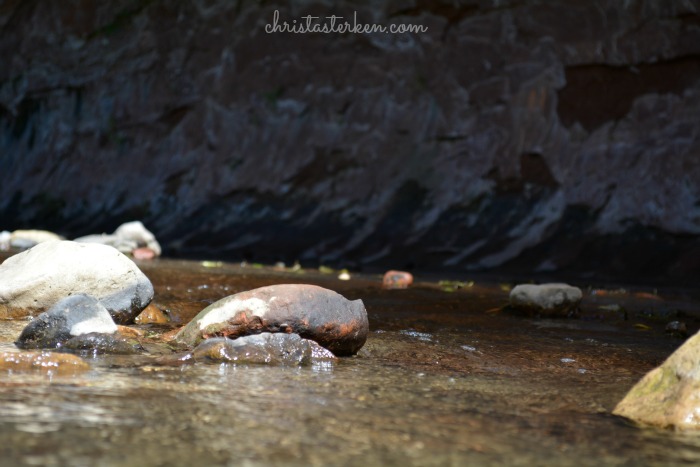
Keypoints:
(172, 117)
(535, 177)
(22, 10)
(121, 20)
(25, 112)
(534, 170)
(453, 13)
(326, 164)
(596, 94)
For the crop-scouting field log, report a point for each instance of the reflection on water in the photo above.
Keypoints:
(441, 381)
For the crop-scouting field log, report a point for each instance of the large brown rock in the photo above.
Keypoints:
(315, 313)
(667, 396)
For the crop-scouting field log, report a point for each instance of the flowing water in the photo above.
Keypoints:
(445, 378)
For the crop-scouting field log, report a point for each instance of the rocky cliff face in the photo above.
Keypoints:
(536, 136)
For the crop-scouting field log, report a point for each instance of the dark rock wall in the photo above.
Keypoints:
(522, 136)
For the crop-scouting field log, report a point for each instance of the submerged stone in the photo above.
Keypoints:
(315, 313)
(73, 316)
(545, 299)
(34, 280)
(273, 348)
(667, 396)
(152, 315)
(42, 362)
(95, 343)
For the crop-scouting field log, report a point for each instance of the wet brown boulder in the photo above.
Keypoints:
(667, 396)
(315, 313)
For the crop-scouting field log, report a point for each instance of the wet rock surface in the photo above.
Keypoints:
(42, 362)
(33, 281)
(99, 343)
(268, 348)
(545, 299)
(499, 138)
(315, 313)
(667, 396)
(69, 318)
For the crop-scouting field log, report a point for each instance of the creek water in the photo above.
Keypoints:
(445, 378)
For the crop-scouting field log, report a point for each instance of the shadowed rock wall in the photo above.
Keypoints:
(525, 136)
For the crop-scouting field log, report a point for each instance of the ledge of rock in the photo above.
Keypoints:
(33, 281)
(511, 135)
(315, 313)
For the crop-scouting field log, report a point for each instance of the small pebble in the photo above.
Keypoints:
(143, 253)
(397, 280)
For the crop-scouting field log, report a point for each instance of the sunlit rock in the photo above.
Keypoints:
(42, 362)
(123, 245)
(545, 299)
(313, 312)
(34, 280)
(29, 238)
(668, 396)
(152, 315)
(73, 316)
(5, 239)
(129, 238)
(136, 232)
(273, 348)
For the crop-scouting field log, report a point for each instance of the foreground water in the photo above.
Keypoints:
(444, 379)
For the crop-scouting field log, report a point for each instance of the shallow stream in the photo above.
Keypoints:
(446, 378)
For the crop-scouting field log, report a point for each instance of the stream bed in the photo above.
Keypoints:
(446, 378)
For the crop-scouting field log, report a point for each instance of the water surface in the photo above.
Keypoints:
(446, 378)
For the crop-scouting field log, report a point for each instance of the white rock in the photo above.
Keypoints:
(34, 280)
(136, 232)
(5, 238)
(550, 299)
(121, 244)
(29, 238)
